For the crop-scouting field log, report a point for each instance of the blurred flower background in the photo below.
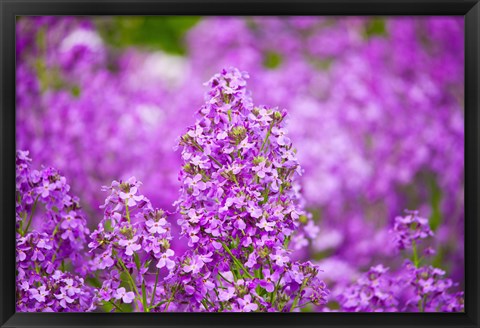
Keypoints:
(375, 110)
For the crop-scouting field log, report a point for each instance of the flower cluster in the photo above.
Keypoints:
(130, 247)
(357, 109)
(431, 290)
(58, 292)
(240, 208)
(55, 243)
(413, 287)
(410, 229)
(373, 292)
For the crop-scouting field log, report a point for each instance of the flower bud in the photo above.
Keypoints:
(259, 159)
(238, 133)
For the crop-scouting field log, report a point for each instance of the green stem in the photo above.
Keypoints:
(302, 305)
(129, 276)
(127, 212)
(171, 298)
(234, 178)
(213, 159)
(421, 303)
(144, 297)
(236, 261)
(115, 305)
(416, 260)
(274, 294)
(267, 136)
(265, 195)
(204, 305)
(55, 230)
(200, 148)
(31, 216)
(154, 288)
(295, 301)
(158, 304)
(222, 306)
(54, 256)
(224, 278)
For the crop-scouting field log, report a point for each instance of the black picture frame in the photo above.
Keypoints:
(9, 9)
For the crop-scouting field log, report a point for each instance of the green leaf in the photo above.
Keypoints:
(144, 297)
(108, 225)
(147, 264)
(376, 27)
(94, 281)
(124, 277)
(272, 60)
(137, 261)
(435, 202)
(75, 91)
(166, 33)
(107, 307)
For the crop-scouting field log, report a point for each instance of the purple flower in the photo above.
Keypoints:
(130, 197)
(264, 224)
(130, 245)
(226, 294)
(281, 134)
(69, 220)
(156, 226)
(410, 229)
(193, 266)
(46, 188)
(261, 169)
(165, 261)
(279, 259)
(39, 294)
(246, 304)
(105, 260)
(126, 297)
(239, 223)
(196, 184)
(255, 212)
(269, 280)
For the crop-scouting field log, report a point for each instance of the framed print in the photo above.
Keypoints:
(257, 164)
